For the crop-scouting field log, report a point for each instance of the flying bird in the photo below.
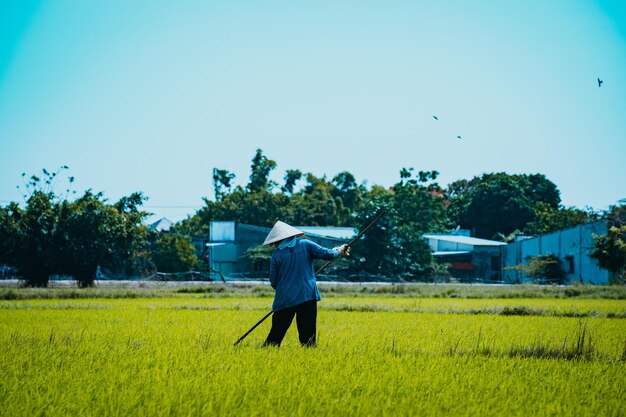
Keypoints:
(600, 82)
(435, 117)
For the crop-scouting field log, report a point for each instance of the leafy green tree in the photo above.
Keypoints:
(416, 205)
(79, 247)
(458, 189)
(499, 202)
(174, 253)
(616, 215)
(198, 223)
(96, 233)
(260, 208)
(316, 205)
(92, 233)
(291, 177)
(222, 182)
(610, 249)
(28, 237)
(254, 204)
(348, 190)
(131, 242)
(319, 203)
(261, 168)
(260, 256)
(539, 188)
(10, 217)
(610, 252)
(395, 244)
(53, 235)
(543, 269)
(547, 219)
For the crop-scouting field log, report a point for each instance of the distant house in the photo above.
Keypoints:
(229, 241)
(161, 225)
(572, 246)
(471, 258)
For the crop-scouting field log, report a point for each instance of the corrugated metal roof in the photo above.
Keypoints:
(162, 225)
(332, 232)
(458, 252)
(465, 240)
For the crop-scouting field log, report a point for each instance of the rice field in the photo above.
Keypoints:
(171, 356)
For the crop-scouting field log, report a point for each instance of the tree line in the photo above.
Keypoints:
(53, 234)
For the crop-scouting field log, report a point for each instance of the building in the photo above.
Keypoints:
(572, 246)
(471, 258)
(229, 241)
(162, 225)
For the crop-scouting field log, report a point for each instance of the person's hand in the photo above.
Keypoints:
(344, 250)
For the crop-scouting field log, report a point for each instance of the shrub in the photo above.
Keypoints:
(544, 269)
(174, 253)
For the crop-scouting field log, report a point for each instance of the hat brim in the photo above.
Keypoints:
(281, 231)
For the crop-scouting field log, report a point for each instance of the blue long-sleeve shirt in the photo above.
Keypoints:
(292, 274)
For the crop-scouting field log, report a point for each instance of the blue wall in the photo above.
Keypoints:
(572, 246)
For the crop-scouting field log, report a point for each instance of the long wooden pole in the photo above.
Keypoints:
(357, 237)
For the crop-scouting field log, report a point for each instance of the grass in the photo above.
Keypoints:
(580, 348)
(377, 355)
(140, 289)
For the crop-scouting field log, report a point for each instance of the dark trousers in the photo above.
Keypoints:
(306, 320)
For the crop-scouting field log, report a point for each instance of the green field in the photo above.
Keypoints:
(377, 355)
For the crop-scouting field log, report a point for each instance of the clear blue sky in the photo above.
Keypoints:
(151, 95)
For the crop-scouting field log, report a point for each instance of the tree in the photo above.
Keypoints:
(222, 181)
(539, 188)
(9, 231)
(458, 188)
(79, 246)
(395, 244)
(53, 235)
(260, 208)
(499, 202)
(319, 203)
(616, 215)
(291, 177)
(260, 256)
(348, 190)
(254, 204)
(28, 236)
(543, 269)
(610, 252)
(93, 233)
(117, 237)
(416, 205)
(131, 241)
(261, 168)
(174, 253)
(547, 219)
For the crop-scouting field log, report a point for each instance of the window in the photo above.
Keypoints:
(495, 263)
(570, 263)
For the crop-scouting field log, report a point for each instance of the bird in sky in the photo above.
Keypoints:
(459, 137)
(435, 117)
(600, 82)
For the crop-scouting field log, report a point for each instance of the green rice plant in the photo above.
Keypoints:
(174, 356)
(147, 289)
(582, 347)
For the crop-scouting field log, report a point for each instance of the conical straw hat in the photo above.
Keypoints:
(281, 231)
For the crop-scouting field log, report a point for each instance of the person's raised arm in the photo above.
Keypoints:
(319, 252)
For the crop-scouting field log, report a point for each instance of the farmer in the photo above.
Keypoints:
(293, 278)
